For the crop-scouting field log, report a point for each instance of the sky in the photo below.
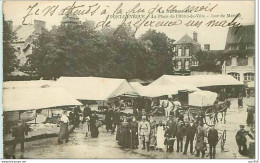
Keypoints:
(215, 36)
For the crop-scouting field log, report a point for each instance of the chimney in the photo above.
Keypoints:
(195, 36)
(38, 24)
(10, 24)
(206, 47)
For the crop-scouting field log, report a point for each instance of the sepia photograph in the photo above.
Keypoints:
(129, 80)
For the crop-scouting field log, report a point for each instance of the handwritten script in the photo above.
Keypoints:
(138, 16)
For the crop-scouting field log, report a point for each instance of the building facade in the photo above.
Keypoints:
(184, 58)
(239, 53)
(25, 36)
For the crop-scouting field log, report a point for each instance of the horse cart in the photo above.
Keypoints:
(202, 106)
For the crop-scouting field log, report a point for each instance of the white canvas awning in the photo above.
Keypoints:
(162, 90)
(197, 80)
(28, 84)
(202, 98)
(36, 98)
(96, 88)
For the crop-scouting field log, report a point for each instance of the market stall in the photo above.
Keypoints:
(27, 101)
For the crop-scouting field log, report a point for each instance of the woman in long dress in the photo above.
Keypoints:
(160, 135)
(93, 128)
(152, 132)
(124, 136)
(134, 134)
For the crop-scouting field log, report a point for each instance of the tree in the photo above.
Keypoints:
(161, 52)
(208, 60)
(66, 50)
(80, 50)
(10, 61)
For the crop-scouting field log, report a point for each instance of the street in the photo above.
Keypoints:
(105, 146)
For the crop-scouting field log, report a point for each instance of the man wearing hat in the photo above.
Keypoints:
(144, 131)
(241, 140)
(116, 120)
(19, 133)
(212, 140)
(190, 131)
(180, 135)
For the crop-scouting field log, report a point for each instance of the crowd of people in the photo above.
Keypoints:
(141, 130)
(150, 135)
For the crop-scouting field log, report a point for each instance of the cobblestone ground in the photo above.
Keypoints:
(105, 146)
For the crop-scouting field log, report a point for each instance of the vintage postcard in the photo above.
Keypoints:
(129, 79)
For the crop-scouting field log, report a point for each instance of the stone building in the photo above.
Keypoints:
(239, 53)
(184, 58)
(25, 35)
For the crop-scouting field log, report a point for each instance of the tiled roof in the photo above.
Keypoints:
(186, 40)
(245, 34)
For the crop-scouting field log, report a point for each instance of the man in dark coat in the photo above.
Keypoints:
(190, 130)
(77, 111)
(86, 116)
(108, 119)
(250, 115)
(169, 140)
(180, 135)
(212, 140)
(19, 133)
(172, 124)
(241, 140)
(116, 120)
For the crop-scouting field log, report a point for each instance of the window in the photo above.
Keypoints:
(179, 65)
(183, 53)
(187, 63)
(249, 76)
(195, 63)
(179, 52)
(235, 75)
(233, 61)
(187, 51)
